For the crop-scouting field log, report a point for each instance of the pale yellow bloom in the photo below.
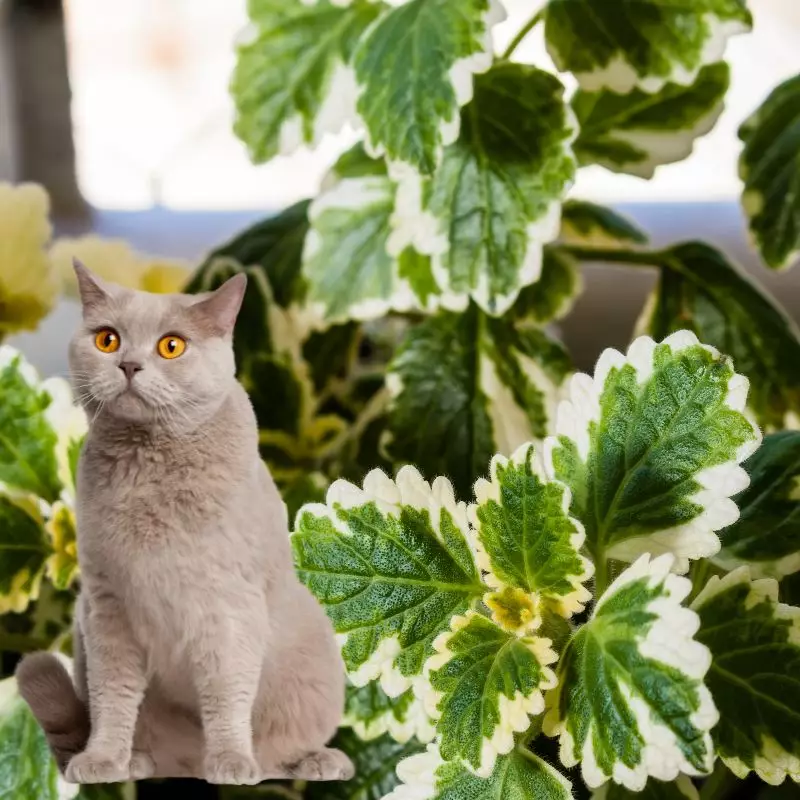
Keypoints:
(28, 284)
(116, 261)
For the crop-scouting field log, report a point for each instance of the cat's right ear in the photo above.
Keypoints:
(90, 287)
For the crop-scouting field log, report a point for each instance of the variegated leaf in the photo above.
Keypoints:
(767, 534)
(392, 564)
(350, 272)
(492, 204)
(640, 45)
(552, 296)
(525, 536)
(701, 290)
(520, 775)
(630, 702)
(590, 224)
(635, 133)
(294, 79)
(494, 388)
(414, 69)
(370, 712)
(486, 684)
(28, 770)
(27, 440)
(770, 169)
(755, 674)
(650, 448)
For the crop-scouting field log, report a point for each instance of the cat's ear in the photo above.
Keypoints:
(220, 309)
(91, 288)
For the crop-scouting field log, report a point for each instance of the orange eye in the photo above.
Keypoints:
(106, 340)
(171, 346)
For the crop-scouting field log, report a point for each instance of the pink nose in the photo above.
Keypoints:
(130, 368)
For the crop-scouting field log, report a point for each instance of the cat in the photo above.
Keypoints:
(197, 651)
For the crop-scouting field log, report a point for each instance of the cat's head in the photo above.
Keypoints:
(154, 359)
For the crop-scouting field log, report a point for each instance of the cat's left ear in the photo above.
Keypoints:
(220, 309)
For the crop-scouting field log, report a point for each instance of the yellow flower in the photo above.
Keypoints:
(28, 285)
(116, 261)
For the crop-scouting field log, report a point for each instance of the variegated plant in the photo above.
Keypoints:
(546, 585)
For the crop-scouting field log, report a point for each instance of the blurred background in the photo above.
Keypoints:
(121, 110)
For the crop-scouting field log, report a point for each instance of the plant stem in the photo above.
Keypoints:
(641, 258)
(719, 783)
(376, 405)
(600, 576)
(517, 41)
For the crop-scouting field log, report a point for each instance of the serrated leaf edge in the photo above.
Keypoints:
(515, 713)
(486, 490)
(696, 538)
(669, 641)
(774, 763)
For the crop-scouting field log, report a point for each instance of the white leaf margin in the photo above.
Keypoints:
(460, 74)
(773, 763)
(696, 538)
(620, 76)
(409, 489)
(669, 641)
(491, 490)
(514, 713)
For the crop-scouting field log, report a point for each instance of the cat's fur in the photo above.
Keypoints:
(197, 651)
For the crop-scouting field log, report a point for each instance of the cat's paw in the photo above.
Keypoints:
(97, 767)
(229, 767)
(142, 766)
(324, 765)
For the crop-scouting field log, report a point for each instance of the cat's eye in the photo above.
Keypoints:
(171, 346)
(106, 340)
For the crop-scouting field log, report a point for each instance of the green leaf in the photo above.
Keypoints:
(493, 389)
(630, 701)
(767, 533)
(650, 448)
(350, 272)
(521, 775)
(681, 789)
(553, 295)
(293, 81)
(27, 440)
(414, 69)
(274, 244)
(640, 45)
(392, 565)
(587, 223)
(375, 762)
(494, 201)
(107, 791)
(639, 131)
(355, 163)
(370, 712)
(702, 291)
(485, 683)
(754, 675)
(525, 536)
(24, 549)
(770, 169)
(26, 767)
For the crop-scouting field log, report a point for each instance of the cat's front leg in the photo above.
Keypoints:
(116, 682)
(227, 664)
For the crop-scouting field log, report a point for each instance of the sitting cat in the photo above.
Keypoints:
(198, 653)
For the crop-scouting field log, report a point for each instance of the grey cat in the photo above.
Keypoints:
(197, 651)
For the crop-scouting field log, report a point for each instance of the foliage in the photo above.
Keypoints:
(544, 584)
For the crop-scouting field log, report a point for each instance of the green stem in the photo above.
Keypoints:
(600, 575)
(517, 41)
(21, 643)
(641, 258)
(719, 784)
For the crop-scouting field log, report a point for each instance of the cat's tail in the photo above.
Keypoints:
(47, 687)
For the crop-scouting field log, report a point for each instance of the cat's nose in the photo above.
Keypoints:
(130, 368)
